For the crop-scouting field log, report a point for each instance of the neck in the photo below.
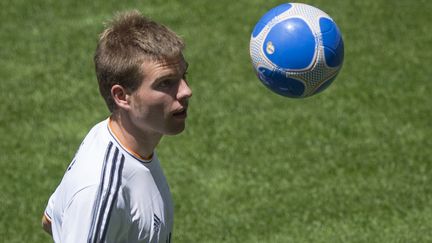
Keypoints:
(135, 140)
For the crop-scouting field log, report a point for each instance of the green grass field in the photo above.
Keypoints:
(352, 164)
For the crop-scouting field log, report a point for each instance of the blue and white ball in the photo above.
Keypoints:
(296, 50)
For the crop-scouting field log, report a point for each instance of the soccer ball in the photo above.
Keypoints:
(296, 50)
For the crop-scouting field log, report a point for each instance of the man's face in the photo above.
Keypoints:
(160, 103)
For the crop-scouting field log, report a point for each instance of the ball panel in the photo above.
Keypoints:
(326, 25)
(334, 57)
(332, 42)
(290, 44)
(282, 8)
(265, 75)
(277, 81)
(258, 28)
(268, 17)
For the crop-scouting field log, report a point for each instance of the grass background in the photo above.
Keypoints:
(352, 164)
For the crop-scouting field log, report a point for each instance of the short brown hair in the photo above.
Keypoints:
(128, 41)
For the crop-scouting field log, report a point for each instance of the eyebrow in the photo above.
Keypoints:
(170, 75)
(173, 74)
(164, 77)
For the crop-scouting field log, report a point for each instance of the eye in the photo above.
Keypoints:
(166, 83)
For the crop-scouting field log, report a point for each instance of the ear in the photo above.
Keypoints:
(120, 96)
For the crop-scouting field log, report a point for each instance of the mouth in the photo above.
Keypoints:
(181, 113)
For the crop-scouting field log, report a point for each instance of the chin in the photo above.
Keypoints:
(175, 130)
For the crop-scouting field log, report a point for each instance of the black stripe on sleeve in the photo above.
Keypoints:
(114, 197)
(102, 208)
(98, 197)
(107, 194)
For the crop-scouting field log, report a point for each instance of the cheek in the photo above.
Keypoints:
(150, 108)
(156, 111)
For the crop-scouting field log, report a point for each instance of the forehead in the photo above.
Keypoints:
(170, 66)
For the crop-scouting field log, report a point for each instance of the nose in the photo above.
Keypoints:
(184, 91)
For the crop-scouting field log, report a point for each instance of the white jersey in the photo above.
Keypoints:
(109, 194)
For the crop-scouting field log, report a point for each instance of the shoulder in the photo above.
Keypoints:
(85, 168)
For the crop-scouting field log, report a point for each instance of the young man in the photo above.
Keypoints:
(114, 189)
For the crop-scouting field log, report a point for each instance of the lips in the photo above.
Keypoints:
(181, 113)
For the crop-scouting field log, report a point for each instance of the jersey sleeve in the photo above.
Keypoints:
(50, 208)
(84, 221)
(77, 216)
